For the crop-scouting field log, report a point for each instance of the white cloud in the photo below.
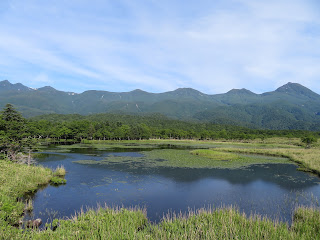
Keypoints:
(212, 46)
(41, 78)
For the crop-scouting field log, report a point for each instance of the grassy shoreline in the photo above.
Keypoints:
(16, 180)
(308, 159)
(225, 223)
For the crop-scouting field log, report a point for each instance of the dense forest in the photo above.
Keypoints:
(18, 133)
(133, 127)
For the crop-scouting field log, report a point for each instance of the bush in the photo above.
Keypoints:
(308, 140)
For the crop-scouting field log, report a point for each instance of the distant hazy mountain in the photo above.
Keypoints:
(291, 106)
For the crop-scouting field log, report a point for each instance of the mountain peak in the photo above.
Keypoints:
(138, 91)
(290, 85)
(241, 91)
(296, 89)
(5, 82)
(187, 92)
(47, 89)
(6, 85)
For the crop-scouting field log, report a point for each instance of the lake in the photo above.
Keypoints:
(272, 190)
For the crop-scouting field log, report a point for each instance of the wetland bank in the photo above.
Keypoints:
(162, 177)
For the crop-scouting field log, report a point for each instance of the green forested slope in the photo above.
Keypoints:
(291, 106)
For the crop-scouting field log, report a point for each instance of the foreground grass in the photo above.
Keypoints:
(226, 223)
(230, 224)
(15, 181)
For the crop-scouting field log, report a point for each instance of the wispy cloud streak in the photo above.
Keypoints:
(212, 46)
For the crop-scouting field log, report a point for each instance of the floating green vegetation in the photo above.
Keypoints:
(201, 158)
(307, 158)
(57, 180)
(57, 150)
(216, 155)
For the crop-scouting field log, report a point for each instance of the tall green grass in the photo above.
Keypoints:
(60, 171)
(231, 224)
(15, 181)
(225, 223)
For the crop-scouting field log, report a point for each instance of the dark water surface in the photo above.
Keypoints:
(271, 189)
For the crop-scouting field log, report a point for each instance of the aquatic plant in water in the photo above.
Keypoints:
(57, 180)
(185, 159)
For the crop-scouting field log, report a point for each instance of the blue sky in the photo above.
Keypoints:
(121, 45)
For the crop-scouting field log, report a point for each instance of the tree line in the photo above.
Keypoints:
(109, 126)
(18, 133)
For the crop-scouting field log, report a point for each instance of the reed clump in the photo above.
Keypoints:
(60, 171)
(29, 205)
(58, 176)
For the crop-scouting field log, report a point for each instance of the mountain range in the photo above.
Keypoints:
(291, 106)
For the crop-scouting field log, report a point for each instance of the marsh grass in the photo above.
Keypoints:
(60, 171)
(275, 142)
(306, 219)
(201, 158)
(216, 155)
(29, 205)
(307, 158)
(15, 181)
(229, 223)
(103, 223)
(223, 223)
